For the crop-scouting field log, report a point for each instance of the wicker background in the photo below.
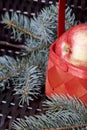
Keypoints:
(9, 108)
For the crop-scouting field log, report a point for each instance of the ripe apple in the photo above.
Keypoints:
(72, 45)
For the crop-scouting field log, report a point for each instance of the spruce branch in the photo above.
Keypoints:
(36, 49)
(26, 77)
(61, 119)
(28, 84)
(69, 18)
(79, 127)
(10, 23)
(19, 24)
(65, 103)
(7, 70)
(42, 29)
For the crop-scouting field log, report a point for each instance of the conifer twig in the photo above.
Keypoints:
(7, 76)
(68, 127)
(10, 23)
(38, 48)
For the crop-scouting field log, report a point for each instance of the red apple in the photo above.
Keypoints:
(72, 45)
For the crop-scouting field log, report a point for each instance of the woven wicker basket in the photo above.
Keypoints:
(63, 77)
(9, 107)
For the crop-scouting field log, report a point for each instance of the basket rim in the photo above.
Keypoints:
(66, 66)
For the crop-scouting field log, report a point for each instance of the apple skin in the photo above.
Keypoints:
(72, 45)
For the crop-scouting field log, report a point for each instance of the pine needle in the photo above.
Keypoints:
(68, 127)
(10, 23)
